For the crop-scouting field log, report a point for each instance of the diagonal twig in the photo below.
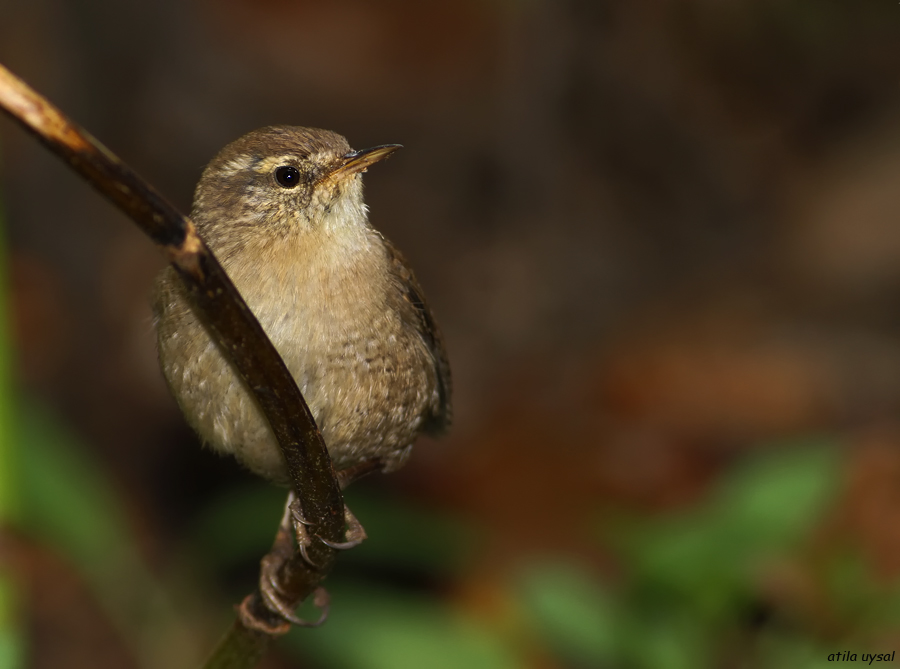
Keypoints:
(233, 327)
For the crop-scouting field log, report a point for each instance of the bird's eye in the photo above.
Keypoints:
(287, 176)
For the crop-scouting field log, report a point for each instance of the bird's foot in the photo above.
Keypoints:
(273, 596)
(355, 534)
(293, 512)
(269, 584)
(352, 474)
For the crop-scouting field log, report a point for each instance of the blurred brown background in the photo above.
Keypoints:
(659, 236)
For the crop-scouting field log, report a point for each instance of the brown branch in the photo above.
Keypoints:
(233, 327)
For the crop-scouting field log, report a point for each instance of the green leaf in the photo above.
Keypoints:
(575, 615)
(669, 640)
(67, 500)
(373, 628)
(69, 505)
(12, 643)
(775, 500)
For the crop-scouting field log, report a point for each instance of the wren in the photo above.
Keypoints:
(282, 209)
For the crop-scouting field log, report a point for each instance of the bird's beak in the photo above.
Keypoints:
(360, 161)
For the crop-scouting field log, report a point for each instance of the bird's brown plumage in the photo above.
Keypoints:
(338, 301)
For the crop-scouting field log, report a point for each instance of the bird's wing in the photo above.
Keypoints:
(423, 321)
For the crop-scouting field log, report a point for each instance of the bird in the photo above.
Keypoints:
(282, 209)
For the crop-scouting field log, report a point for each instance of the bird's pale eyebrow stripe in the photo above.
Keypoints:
(270, 163)
(237, 164)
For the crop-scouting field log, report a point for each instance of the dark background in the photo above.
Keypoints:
(662, 240)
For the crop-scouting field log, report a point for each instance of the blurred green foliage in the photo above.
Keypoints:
(12, 646)
(385, 628)
(710, 557)
(691, 587)
(69, 505)
(687, 596)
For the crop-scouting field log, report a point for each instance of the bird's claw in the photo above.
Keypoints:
(355, 533)
(272, 597)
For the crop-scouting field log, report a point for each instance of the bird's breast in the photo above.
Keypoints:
(318, 298)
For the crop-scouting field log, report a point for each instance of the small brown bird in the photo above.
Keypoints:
(282, 209)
